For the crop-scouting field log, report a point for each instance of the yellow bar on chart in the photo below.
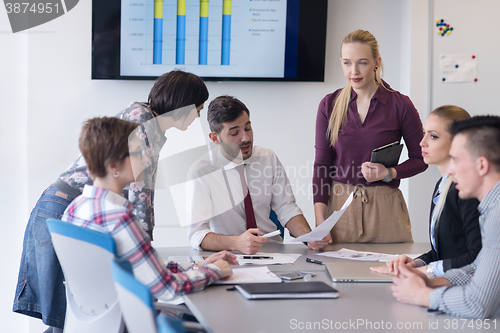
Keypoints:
(158, 9)
(226, 7)
(181, 7)
(203, 8)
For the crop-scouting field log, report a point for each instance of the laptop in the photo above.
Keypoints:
(356, 271)
(315, 289)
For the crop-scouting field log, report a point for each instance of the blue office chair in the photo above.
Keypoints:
(137, 303)
(274, 218)
(84, 255)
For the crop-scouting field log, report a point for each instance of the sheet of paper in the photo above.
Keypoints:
(278, 259)
(458, 67)
(324, 228)
(174, 301)
(250, 275)
(185, 259)
(362, 255)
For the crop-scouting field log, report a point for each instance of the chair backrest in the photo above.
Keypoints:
(274, 218)
(137, 303)
(84, 255)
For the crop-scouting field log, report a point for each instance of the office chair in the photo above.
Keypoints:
(274, 218)
(139, 310)
(84, 255)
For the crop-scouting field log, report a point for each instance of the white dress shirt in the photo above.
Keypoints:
(215, 195)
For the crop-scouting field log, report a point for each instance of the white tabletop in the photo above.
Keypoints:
(360, 307)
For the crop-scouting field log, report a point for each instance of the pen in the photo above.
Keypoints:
(314, 261)
(256, 257)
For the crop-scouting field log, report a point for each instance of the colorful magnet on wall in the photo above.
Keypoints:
(475, 80)
(444, 28)
(444, 79)
(456, 66)
(473, 57)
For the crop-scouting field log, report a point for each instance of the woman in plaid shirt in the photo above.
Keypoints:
(175, 100)
(114, 160)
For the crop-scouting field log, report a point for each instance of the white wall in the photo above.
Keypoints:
(46, 92)
(13, 166)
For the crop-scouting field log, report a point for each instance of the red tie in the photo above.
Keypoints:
(248, 200)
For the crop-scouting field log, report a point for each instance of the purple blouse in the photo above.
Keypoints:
(390, 116)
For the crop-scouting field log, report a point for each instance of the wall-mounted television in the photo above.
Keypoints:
(268, 40)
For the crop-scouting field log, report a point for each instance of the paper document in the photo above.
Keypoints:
(322, 230)
(278, 259)
(177, 300)
(458, 68)
(362, 255)
(185, 259)
(250, 275)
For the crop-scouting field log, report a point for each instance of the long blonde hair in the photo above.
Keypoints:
(341, 106)
(448, 113)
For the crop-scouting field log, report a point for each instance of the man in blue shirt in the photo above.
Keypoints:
(473, 290)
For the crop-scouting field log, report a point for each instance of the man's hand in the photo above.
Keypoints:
(249, 242)
(222, 255)
(392, 267)
(411, 286)
(320, 245)
(224, 267)
(373, 171)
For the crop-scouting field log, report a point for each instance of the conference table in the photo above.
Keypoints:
(361, 307)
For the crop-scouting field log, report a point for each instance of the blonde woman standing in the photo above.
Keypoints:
(366, 114)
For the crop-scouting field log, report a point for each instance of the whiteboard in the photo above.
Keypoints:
(476, 30)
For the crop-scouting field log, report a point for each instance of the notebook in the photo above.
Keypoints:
(355, 271)
(315, 289)
(387, 155)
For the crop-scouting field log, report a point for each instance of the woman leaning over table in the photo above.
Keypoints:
(175, 100)
(454, 229)
(366, 114)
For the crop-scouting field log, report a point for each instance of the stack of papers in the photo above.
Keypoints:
(362, 255)
(277, 259)
(250, 275)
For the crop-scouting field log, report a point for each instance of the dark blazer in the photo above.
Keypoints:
(458, 233)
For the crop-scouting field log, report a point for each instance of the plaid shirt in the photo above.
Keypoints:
(110, 213)
(475, 289)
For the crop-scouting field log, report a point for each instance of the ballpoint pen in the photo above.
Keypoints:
(256, 257)
(314, 261)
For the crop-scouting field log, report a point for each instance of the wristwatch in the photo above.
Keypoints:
(388, 178)
(430, 270)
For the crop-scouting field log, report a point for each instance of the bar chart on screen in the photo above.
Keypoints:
(242, 38)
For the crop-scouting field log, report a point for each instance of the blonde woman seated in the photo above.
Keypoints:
(114, 161)
(454, 223)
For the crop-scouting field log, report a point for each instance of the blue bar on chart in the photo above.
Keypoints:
(181, 33)
(203, 48)
(158, 32)
(226, 32)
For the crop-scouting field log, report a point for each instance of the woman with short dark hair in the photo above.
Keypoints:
(175, 100)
